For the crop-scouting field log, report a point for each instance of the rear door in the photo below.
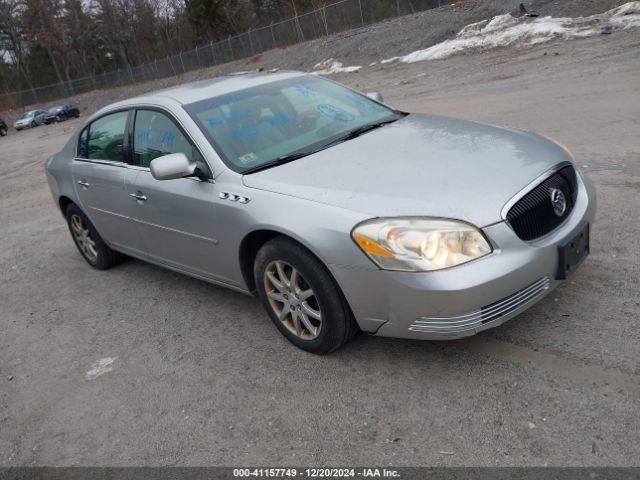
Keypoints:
(100, 176)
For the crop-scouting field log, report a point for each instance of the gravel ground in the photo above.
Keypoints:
(201, 377)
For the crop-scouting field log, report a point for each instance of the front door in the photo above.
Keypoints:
(177, 219)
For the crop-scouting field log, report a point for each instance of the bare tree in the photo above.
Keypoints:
(13, 45)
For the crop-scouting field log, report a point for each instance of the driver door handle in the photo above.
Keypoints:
(83, 183)
(138, 196)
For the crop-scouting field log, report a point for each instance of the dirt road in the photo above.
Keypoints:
(201, 377)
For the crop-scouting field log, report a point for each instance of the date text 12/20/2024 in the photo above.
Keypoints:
(316, 472)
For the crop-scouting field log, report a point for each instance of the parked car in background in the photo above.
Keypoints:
(60, 113)
(30, 119)
(340, 212)
(3, 128)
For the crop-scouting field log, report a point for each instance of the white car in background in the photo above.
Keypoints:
(30, 119)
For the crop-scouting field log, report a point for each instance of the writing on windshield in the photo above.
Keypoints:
(257, 125)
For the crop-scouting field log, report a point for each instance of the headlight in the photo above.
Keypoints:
(419, 244)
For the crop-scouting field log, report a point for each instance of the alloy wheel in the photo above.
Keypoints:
(293, 300)
(83, 238)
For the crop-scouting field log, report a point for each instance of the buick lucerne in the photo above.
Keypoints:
(340, 213)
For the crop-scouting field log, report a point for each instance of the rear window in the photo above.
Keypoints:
(106, 137)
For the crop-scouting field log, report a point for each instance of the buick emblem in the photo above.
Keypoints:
(558, 201)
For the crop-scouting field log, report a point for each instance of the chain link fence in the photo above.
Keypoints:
(330, 19)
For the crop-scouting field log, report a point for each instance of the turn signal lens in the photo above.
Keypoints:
(370, 247)
(419, 244)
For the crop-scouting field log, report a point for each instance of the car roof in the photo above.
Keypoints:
(212, 87)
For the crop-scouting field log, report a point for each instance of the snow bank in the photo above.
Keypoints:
(331, 66)
(507, 30)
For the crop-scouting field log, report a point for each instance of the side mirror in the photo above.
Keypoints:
(169, 167)
(377, 96)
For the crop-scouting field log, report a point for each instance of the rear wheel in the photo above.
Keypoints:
(89, 242)
(301, 297)
(3, 132)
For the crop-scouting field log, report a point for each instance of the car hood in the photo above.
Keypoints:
(421, 165)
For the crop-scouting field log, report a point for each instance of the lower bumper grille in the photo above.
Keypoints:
(486, 314)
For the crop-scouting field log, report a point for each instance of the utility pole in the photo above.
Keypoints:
(273, 37)
(295, 13)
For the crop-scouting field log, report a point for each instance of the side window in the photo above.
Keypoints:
(155, 135)
(106, 137)
(82, 143)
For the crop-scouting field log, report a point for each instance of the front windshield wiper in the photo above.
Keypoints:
(289, 157)
(356, 132)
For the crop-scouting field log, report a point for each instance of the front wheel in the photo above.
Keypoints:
(3, 132)
(89, 242)
(301, 297)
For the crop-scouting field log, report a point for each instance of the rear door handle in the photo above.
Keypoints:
(83, 183)
(138, 196)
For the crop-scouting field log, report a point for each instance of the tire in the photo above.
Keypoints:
(3, 132)
(33, 124)
(336, 324)
(104, 257)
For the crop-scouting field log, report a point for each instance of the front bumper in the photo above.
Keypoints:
(464, 300)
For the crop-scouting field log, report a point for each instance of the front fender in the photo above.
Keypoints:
(323, 229)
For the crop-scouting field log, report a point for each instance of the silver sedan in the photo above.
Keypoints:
(30, 119)
(341, 213)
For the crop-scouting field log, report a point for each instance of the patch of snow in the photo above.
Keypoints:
(473, 27)
(625, 16)
(100, 367)
(507, 30)
(331, 66)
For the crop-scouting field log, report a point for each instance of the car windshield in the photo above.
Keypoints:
(287, 118)
(28, 114)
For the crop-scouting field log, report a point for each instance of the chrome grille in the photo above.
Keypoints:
(486, 314)
(532, 216)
